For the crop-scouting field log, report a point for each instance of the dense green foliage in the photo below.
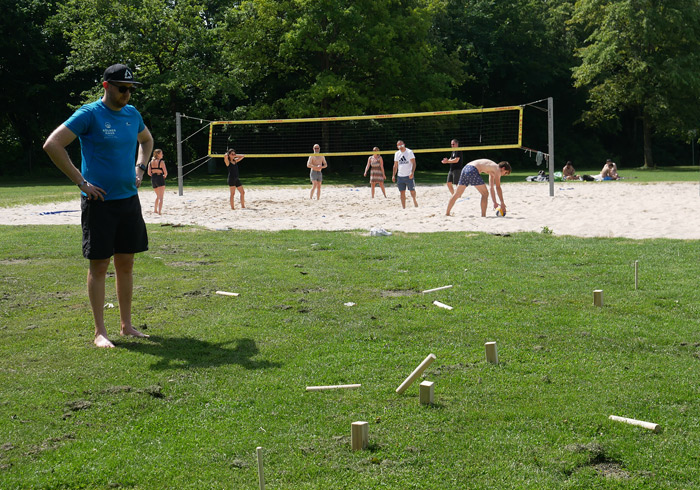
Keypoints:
(220, 375)
(608, 65)
(641, 57)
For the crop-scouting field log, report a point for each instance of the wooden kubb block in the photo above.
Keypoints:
(359, 436)
(491, 352)
(598, 297)
(427, 393)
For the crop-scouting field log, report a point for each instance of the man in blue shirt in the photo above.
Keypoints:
(111, 133)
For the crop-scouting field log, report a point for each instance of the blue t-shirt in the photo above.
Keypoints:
(108, 142)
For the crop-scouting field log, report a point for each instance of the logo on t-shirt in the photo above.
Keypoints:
(108, 132)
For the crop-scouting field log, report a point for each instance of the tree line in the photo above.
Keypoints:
(624, 74)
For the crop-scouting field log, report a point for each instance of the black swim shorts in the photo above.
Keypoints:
(112, 227)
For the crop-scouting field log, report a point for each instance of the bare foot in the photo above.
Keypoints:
(132, 332)
(102, 341)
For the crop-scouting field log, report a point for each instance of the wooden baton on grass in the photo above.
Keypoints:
(416, 372)
(639, 423)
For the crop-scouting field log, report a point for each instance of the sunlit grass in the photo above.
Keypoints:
(223, 375)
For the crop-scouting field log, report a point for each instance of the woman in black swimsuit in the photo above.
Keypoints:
(231, 160)
(158, 173)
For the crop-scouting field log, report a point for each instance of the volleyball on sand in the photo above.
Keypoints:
(500, 212)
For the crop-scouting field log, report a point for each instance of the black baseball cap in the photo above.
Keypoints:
(120, 73)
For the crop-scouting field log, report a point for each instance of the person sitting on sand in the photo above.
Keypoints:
(610, 170)
(569, 172)
(471, 176)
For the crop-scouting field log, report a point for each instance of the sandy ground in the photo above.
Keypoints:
(585, 209)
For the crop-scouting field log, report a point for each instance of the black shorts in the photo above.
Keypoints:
(234, 181)
(453, 176)
(157, 180)
(112, 227)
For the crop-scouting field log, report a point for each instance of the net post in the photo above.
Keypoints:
(178, 137)
(550, 138)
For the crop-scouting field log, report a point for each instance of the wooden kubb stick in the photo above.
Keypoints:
(261, 475)
(332, 387)
(416, 372)
(639, 423)
(437, 289)
(442, 305)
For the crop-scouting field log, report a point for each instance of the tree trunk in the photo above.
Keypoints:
(646, 128)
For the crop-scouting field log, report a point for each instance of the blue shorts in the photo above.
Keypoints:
(403, 182)
(470, 176)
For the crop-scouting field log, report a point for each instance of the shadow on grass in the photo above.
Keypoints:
(184, 352)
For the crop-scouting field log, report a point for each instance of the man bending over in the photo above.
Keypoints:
(471, 175)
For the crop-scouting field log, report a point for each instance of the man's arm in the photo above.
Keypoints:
(396, 169)
(55, 147)
(450, 160)
(495, 181)
(413, 168)
(324, 164)
(145, 148)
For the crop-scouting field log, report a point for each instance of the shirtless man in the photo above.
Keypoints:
(569, 172)
(316, 163)
(609, 171)
(471, 176)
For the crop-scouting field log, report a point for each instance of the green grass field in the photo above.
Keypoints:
(221, 375)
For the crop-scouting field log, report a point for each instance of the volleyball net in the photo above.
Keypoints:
(423, 132)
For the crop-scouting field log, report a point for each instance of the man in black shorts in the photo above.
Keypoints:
(110, 132)
(456, 162)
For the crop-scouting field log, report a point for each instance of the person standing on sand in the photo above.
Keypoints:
(110, 133)
(234, 182)
(404, 170)
(158, 173)
(471, 175)
(456, 162)
(316, 163)
(375, 165)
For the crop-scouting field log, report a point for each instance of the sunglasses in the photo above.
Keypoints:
(123, 89)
